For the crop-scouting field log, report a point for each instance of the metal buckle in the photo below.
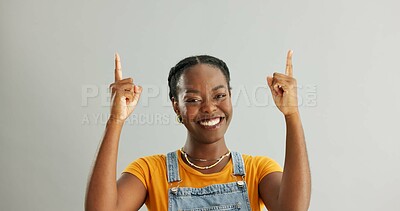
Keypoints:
(240, 183)
(174, 190)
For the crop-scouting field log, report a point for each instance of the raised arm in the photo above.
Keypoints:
(103, 192)
(291, 189)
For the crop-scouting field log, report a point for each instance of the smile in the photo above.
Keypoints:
(212, 123)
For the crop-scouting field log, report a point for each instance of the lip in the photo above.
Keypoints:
(214, 127)
(209, 117)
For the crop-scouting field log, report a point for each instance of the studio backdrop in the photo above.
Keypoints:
(57, 61)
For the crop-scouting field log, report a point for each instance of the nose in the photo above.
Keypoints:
(208, 106)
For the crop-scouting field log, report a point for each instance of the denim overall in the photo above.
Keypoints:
(228, 196)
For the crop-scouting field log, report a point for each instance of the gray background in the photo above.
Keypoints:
(56, 60)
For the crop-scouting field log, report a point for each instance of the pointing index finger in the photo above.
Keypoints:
(289, 66)
(118, 71)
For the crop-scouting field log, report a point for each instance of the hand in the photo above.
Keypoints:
(284, 88)
(124, 96)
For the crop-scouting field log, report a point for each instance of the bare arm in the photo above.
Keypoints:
(292, 189)
(295, 188)
(103, 191)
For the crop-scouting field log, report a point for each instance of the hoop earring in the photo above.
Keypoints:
(179, 118)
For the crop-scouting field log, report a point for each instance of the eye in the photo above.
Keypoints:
(220, 96)
(192, 100)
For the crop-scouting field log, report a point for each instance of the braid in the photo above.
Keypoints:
(176, 72)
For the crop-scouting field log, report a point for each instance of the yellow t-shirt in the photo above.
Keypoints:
(152, 172)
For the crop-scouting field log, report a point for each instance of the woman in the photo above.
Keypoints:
(203, 174)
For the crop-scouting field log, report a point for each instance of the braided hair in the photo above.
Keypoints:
(176, 71)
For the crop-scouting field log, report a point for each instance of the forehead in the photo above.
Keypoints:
(201, 76)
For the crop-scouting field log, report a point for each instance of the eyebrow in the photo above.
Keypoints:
(218, 87)
(197, 91)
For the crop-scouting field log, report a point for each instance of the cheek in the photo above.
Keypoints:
(189, 112)
(228, 110)
(227, 105)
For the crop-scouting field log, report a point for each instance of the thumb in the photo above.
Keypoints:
(138, 92)
(269, 82)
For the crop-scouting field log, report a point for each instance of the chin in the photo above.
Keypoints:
(208, 138)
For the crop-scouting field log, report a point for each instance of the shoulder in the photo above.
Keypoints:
(151, 160)
(257, 160)
(147, 163)
(147, 167)
(262, 164)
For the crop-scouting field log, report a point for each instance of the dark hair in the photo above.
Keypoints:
(176, 72)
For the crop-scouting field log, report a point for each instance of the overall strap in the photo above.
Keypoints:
(172, 167)
(238, 164)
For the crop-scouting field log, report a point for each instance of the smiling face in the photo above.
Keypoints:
(204, 102)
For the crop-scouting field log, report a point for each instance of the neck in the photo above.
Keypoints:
(203, 150)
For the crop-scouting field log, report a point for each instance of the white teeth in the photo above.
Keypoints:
(210, 122)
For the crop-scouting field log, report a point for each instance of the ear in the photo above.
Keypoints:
(175, 105)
